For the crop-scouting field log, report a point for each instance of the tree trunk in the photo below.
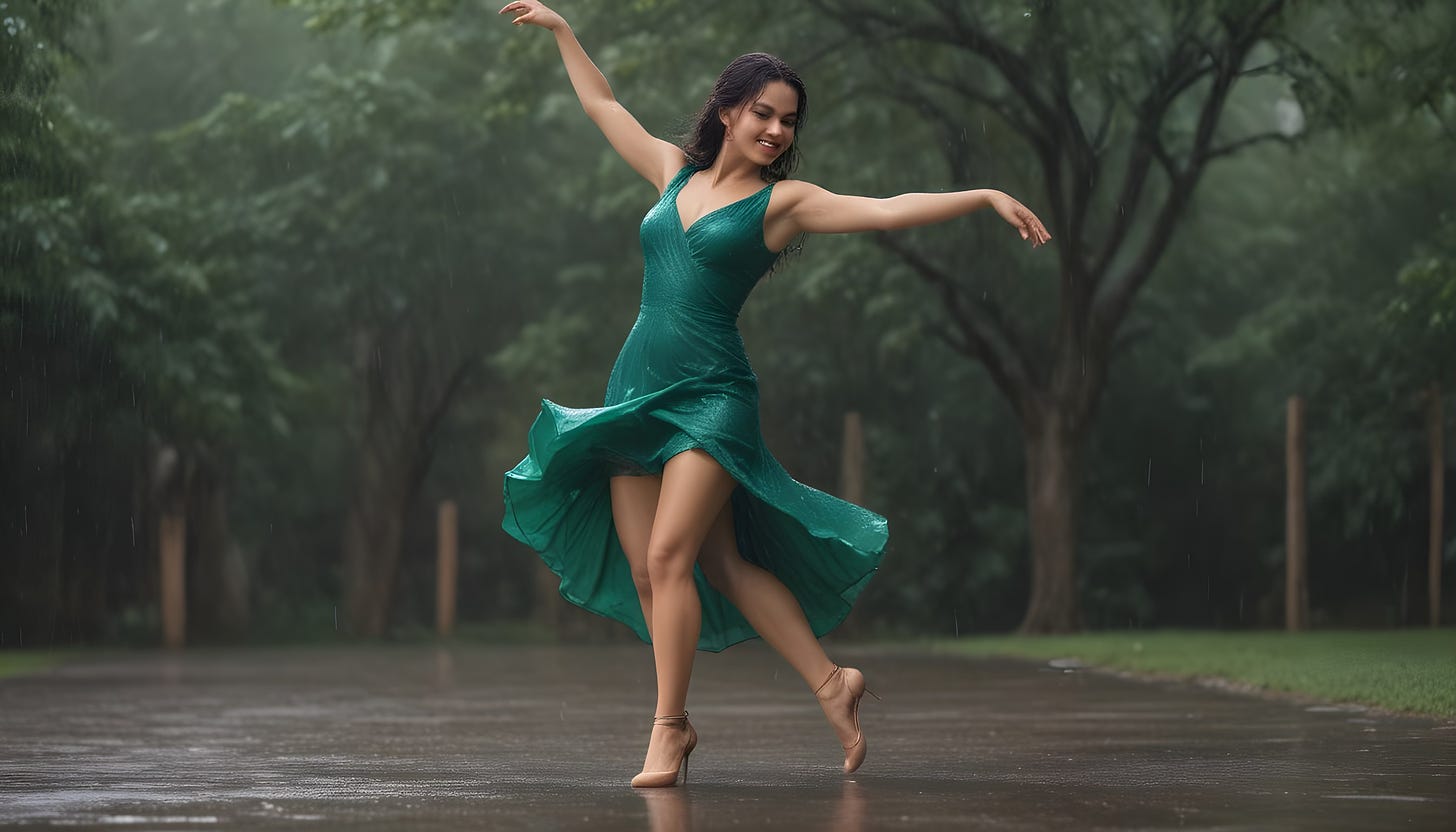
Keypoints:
(409, 374)
(1105, 263)
(219, 574)
(1296, 529)
(170, 475)
(172, 566)
(1436, 435)
(1053, 477)
(447, 567)
(374, 527)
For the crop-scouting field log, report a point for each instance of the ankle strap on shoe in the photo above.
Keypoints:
(835, 672)
(668, 720)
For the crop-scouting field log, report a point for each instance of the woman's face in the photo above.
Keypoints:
(763, 128)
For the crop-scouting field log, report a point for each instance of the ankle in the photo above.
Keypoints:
(831, 686)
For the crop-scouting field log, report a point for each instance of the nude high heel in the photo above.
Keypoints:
(853, 681)
(659, 779)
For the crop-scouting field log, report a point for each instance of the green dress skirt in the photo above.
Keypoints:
(683, 381)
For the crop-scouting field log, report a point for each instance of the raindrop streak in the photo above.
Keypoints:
(1150, 471)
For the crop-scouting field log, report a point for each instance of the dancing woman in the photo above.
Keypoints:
(662, 508)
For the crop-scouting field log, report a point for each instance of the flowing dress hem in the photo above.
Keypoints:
(556, 435)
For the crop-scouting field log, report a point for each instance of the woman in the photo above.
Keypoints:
(662, 508)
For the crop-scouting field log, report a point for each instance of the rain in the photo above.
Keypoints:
(1150, 517)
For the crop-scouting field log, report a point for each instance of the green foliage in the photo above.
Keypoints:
(37, 40)
(372, 16)
(197, 256)
(1420, 320)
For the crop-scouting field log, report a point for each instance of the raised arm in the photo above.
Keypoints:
(810, 208)
(655, 159)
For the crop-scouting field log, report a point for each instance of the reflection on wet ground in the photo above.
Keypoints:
(547, 738)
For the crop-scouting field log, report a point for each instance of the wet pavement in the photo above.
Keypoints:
(425, 738)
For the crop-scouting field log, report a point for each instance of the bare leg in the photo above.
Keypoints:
(634, 503)
(694, 488)
(763, 599)
(775, 615)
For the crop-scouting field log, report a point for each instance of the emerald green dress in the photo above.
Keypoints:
(681, 381)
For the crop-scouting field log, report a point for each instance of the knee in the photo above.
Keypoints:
(668, 562)
(641, 579)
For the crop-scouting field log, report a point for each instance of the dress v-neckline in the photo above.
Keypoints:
(689, 227)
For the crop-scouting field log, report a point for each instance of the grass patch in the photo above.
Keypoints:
(1398, 670)
(16, 663)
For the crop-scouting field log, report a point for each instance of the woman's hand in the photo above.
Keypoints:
(1020, 218)
(535, 13)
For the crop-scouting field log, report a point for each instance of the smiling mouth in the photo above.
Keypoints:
(767, 144)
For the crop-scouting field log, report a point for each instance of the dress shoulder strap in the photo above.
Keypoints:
(680, 177)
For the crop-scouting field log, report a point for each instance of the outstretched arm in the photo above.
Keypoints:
(811, 208)
(655, 159)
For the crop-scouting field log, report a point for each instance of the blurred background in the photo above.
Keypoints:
(279, 279)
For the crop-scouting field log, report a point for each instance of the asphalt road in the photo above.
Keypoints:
(489, 738)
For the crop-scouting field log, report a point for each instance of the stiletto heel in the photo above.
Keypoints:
(659, 779)
(853, 681)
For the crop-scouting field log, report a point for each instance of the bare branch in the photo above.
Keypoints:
(1115, 297)
(1000, 106)
(1014, 69)
(982, 336)
(1170, 165)
(1271, 68)
(954, 30)
(955, 342)
(1235, 146)
(1104, 122)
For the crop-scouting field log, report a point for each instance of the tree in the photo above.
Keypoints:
(1121, 138)
(114, 349)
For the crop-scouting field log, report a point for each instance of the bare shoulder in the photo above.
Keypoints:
(789, 195)
(793, 190)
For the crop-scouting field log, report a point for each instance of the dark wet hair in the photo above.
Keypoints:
(740, 83)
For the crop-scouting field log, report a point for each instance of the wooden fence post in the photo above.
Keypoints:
(447, 567)
(1296, 541)
(172, 549)
(852, 460)
(1437, 440)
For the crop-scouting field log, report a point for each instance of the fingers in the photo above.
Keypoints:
(525, 12)
(1026, 224)
(1032, 229)
(517, 8)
